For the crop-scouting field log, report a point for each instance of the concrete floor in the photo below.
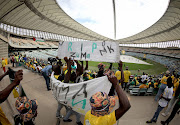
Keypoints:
(142, 107)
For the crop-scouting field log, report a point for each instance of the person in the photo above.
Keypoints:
(144, 84)
(143, 77)
(46, 73)
(25, 58)
(156, 85)
(101, 67)
(27, 109)
(175, 109)
(150, 83)
(127, 75)
(3, 65)
(16, 58)
(101, 106)
(13, 60)
(118, 76)
(173, 100)
(163, 85)
(121, 80)
(165, 98)
(5, 93)
(73, 78)
(134, 82)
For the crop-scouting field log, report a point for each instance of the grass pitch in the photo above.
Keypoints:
(154, 69)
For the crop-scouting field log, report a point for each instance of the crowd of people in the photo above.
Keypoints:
(73, 71)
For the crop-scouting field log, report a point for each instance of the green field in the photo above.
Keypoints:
(154, 69)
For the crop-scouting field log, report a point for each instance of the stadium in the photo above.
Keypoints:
(34, 31)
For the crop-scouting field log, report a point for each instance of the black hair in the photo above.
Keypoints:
(169, 82)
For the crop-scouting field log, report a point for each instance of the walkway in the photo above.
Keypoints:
(142, 107)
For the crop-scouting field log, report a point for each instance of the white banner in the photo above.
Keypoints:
(77, 95)
(90, 50)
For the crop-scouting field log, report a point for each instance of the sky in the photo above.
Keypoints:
(132, 16)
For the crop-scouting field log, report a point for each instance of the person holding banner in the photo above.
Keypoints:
(72, 77)
(102, 105)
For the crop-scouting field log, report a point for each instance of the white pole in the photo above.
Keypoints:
(114, 11)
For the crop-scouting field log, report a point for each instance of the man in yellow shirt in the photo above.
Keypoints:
(102, 105)
(3, 65)
(163, 85)
(118, 75)
(127, 75)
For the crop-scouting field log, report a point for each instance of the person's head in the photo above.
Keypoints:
(2, 58)
(150, 79)
(126, 67)
(27, 108)
(101, 104)
(143, 73)
(85, 74)
(167, 73)
(169, 82)
(145, 81)
(101, 66)
(157, 80)
(56, 69)
(49, 63)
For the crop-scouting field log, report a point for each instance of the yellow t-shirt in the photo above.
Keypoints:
(148, 84)
(90, 119)
(3, 63)
(126, 75)
(142, 86)
(173, 78)
(155, 85)
(56, 76)
(176, 85)
(164, 80)
(118, 75)
(3, 118)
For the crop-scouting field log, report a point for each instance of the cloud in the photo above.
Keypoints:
(133, 16)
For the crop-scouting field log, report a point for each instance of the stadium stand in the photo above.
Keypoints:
(28, 43)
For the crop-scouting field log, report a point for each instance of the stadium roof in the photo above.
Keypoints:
(47, 16)
(167, 28)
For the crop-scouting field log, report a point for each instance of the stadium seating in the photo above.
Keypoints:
(29, 43)
(134, 91)
(171, 63)
(150, 91)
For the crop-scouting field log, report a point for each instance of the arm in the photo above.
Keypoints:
(79, 69)
(110, 67)
(167, 99)
(86, 68)
(122, 73)
(2, 76)
(5, 93)
(68, 74)
(124, 104)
